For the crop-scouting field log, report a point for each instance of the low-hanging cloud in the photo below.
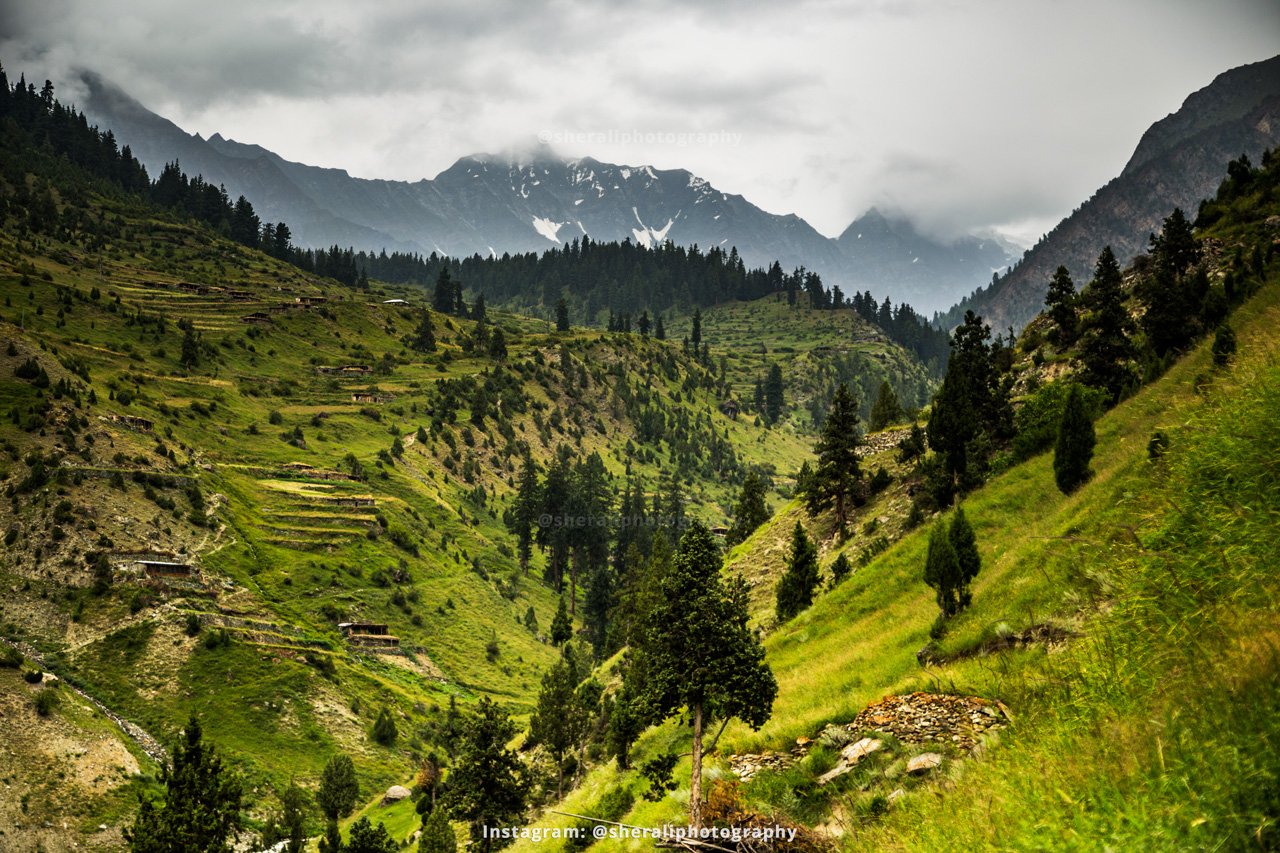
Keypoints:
(962, 115)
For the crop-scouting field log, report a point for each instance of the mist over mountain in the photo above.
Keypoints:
(490, 204)
(1179, 161)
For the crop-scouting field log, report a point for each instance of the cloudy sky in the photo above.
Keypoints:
(1001, 114)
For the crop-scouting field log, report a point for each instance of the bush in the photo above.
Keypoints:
(384, 728)
(1224, 345)
(10, 658)
(1074, 449)
(193, 625)
(45, 701)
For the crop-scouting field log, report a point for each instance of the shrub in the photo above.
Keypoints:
(384, 728)
(45, 701)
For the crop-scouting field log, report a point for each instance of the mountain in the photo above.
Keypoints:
(881, 248)
(1179, 161)
(490, 204)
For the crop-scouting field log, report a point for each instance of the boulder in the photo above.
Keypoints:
(395, 794)
(923, 763)
(855, 752)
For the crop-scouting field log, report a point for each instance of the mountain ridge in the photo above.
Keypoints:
(493, 203)
(1178, 162)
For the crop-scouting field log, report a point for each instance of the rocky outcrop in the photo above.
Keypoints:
(933, 718)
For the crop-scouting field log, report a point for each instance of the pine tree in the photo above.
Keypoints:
(424, 336)
(190, 347)
(562, 315)
(1106, 349)
(698, 654)
(498, 346)
(840, 569)
(488, 785)
(968, 561)
(886, 409)
(971, 403)
(837, 480)
(941, 569)
(445, 296)
(1061, 303)
(1170, 318)
(659, 330)
(695, 336)
(558, 721)
(1074, 448)
(774, 395)
(201, 809)
(339, 788)
(798, 582)
(364, 837)
(561, 626)
(525, 511)
(750, 512)
(437, 835)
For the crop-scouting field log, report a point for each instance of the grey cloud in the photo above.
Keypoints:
(962, 114)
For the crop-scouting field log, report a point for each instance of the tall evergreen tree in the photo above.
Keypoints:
(1106, 349)
(837, 481)
(558, 721)
(1170, 318)
(488, 785)
(562, 315)
(800, 580)
(444, 299)
(774, 395)
(1061, 302)
(561, 626)
(659, 330)
(699, 656)
(339, 787)
(971, 402)
(201, 810)
(1074, 448)
(424, 336)
(750, 512)
(525, 511)
(695, 336)
(190, 347)
(886, 409)
(437, 835)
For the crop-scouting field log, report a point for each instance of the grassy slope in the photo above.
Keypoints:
(277, 717)
(1158, 726)
(805, 343)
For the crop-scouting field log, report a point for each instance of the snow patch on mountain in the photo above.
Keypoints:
(548, 229)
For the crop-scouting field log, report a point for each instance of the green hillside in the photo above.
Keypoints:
(238, 465)
(1127, 631)
(816, 349)
(298, 509)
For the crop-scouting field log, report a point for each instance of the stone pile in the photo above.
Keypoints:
(933, 718)
(746, 766)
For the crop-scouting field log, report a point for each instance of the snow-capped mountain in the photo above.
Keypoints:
(492, 204)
